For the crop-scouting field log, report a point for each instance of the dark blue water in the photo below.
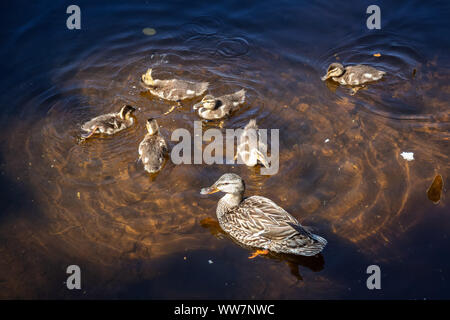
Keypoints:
(136, 236)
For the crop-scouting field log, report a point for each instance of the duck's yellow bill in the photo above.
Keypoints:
(209, 190)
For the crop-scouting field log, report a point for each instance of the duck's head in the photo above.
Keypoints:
(334, 70)
(126, 112)
(152, 126)
(210, 103)
(228, 183)
(147, 78)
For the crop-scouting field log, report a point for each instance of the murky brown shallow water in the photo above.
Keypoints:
(141, 236)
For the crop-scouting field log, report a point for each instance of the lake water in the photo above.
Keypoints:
(136, 235)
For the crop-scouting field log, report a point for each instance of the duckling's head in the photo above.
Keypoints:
(228, 183)
(334, 70)
(147, 78)
(211, 103)
(152, 126)
(126, 111)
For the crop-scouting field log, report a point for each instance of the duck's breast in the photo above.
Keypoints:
(211, 114)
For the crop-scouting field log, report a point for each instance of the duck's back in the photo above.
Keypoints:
(234, 100)
(175, 89)
(259, 222)
(106, 123)
(248, 141)
(359, 74)
(152, 151)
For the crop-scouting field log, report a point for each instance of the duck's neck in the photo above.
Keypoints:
(342, 74)
(129, 120)
(228, 202)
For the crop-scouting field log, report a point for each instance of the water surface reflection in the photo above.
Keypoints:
(136, 235)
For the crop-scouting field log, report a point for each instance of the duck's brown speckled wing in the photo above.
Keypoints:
(360, 74)
(259, 222)
(175, 90)
(261, 217)
(105, 122)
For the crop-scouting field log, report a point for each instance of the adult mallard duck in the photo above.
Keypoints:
(212, 108)
(259, 223)
(110, 123)
(153, 148)
(356, 76)
(174, 89)
(250, 146)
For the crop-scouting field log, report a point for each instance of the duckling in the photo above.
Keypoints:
(259, 223)
(174, 89)
(356, 76)
(153, 148)
(249, 146)
(212, 108)
(110, 123)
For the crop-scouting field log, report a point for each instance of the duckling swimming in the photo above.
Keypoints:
(212, 108)
(174, 89)
(258, 222)
(153, 148)
(249, 146)
(110, 123)
(356, 76)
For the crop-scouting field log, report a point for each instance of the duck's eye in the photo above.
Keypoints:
(217, 104)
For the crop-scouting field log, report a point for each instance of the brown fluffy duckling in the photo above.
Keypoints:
(174, 89)
(212, 108)
(110, 123)
(356, 76)
(153, 148)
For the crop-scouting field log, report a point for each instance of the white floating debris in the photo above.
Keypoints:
(409, 156)
(210, 262)
(327, 140)
(149, 31)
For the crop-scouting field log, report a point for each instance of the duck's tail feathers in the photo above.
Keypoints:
(240, 95)
(203, 86)
(262, 158)
(321, 242)
(319, 239)
(251, 125)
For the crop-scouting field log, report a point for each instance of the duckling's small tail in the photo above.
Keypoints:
(203, 87)
(262, 158)
(252, 124)
(241, 95)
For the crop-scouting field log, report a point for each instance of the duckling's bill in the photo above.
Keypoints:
(328, 75)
